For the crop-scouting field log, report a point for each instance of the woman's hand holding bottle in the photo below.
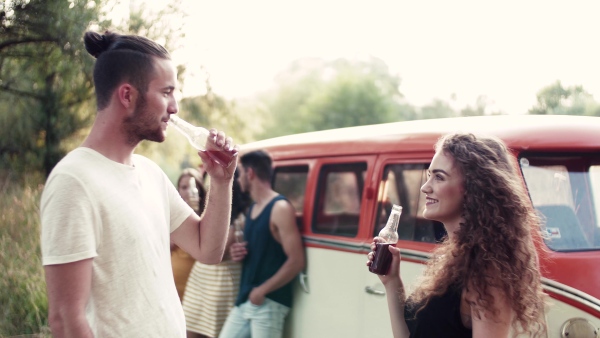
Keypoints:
(392, 277)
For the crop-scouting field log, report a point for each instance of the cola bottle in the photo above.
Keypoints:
(389, 234)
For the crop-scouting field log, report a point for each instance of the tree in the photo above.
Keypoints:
(558, 100)
(46, 86)
(480, 108)
(314, 94)
(46, 82)
(436, 109)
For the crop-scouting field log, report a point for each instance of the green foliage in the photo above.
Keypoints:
(558, 100)
(314, 94)
(46, 83)
(436, 109)
(164, 26)
(23, 301)
(479, 109)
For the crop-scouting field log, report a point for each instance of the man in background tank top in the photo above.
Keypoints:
(271, 255)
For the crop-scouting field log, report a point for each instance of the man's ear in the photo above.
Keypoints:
(127, 95)
(250, 173)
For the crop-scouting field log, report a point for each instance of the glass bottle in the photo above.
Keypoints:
(198, 138)
(239, 233)
(389, 234)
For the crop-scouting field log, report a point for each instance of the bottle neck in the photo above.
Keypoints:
(393, 221)
(181, 125)
(390, 232)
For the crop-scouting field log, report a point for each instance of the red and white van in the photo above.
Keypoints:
(343, 182)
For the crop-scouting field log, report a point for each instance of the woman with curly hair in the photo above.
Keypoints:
(483, 280)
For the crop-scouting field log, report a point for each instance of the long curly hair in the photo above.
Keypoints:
(495, 247)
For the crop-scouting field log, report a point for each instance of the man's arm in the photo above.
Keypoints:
(283, 217)
(205, 239)
(69, 288)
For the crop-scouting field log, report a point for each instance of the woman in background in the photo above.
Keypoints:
(483, 280)
(211, 289)
(192, 191)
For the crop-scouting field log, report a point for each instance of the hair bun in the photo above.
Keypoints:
(96, 44)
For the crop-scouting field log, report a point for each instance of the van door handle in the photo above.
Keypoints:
(372, 291)
(303, 278)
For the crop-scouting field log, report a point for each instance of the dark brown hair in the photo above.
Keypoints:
(494, 248)
(121, 58)
(260, 161)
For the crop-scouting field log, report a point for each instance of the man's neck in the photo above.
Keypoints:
(262, 193)
(108, 139)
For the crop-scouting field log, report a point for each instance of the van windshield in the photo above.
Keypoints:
(565, 189)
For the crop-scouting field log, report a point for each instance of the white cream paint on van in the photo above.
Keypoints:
(333, 306)
(338, 304)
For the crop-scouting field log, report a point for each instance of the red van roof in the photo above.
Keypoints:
(533, 132)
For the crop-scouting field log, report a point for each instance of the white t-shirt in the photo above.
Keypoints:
(122, 217)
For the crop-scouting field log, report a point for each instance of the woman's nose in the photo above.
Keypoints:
(426, 188)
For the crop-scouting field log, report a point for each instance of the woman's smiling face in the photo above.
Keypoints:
(444, 192)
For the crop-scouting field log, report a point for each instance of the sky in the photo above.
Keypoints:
(450, 50)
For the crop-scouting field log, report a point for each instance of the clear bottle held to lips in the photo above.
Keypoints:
(383, 257)
(198, 138)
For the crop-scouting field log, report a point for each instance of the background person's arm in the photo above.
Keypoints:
(69, 287)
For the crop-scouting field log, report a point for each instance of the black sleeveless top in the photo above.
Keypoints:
(265, 257)
(440, 318)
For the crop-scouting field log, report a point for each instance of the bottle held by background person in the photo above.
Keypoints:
(389, 235)
(198, 136)
(239, 233)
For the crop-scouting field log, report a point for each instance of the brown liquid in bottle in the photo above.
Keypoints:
(382, 259)
(223, 158)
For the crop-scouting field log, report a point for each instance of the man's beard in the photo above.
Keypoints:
(142, 124)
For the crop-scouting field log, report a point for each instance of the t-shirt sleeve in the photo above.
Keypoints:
(179, 209)
(69, 228)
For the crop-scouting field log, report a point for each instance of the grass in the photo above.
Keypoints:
(23, 301)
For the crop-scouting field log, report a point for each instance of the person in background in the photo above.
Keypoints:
(211, 289)
(190, 188)
(272, 255)
(483, 280)
(108, 215)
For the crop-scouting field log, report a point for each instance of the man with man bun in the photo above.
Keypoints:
(109, 215)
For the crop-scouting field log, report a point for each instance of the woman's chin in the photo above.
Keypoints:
(428, 214)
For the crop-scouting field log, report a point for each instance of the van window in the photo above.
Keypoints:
(401, 184)
(291, 183)
(338, 201)
(565, 189)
